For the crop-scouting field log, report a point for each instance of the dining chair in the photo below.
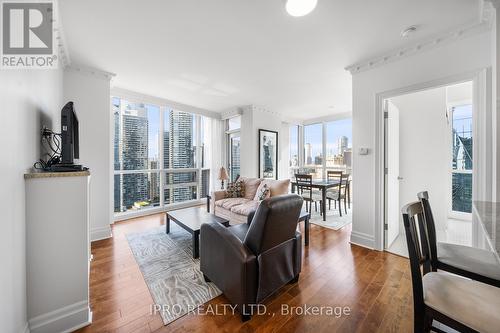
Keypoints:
(474, 263)
(337, 193)
(305, 189)
(459, 303)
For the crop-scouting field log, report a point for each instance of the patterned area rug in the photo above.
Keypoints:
(333, 219)
(173, 277)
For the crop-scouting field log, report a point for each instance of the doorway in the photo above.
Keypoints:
(428, 144)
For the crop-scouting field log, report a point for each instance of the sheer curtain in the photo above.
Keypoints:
(214, 138)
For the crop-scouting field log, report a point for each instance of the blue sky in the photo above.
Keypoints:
(313, 134)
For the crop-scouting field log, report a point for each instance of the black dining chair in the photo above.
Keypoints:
(337, 193)
(462, 304)
(477, 264)
(305, 189)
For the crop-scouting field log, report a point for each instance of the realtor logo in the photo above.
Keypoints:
(28, 35)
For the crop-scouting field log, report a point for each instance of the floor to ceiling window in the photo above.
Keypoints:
(338, 144)
(158, 156)
(233, 126)
(325, 146)
(313, 149)
(461, 173)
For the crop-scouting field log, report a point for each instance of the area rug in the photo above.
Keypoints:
(172, 275)
(333, 219)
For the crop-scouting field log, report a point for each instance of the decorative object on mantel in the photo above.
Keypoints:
(222, 177)
(268, 154)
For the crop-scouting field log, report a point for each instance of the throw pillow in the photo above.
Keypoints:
(263, 192)
(235, 190)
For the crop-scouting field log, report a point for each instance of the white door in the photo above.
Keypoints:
(393, 210)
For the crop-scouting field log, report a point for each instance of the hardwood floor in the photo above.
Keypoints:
(376, 286)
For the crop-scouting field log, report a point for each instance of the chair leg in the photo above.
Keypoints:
(345, 206)
(316, 206)
(329, 204)
(340, 208)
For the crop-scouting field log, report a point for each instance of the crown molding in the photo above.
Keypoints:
(90, 71)
(484, 23)
(60, 39)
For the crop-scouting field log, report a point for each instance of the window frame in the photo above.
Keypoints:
(324, 127)
(453, 214)
(163, 172)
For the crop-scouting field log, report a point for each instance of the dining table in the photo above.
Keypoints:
(323, 185)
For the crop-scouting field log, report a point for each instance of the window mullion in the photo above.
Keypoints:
(161, 157)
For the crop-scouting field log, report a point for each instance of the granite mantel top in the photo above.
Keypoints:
(488, 214)
(32, 175)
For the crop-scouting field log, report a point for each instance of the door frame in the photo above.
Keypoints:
(482, 136)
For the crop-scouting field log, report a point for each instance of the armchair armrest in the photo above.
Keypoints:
(216, 196)
(229, 263)
(250, 217)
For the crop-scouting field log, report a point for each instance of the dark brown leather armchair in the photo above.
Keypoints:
(251, 261)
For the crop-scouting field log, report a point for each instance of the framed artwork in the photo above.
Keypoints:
(268, 154)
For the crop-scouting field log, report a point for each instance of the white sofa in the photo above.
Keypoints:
(236, 210)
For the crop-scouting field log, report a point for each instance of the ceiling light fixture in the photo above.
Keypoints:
(408, 31)
(300, 7)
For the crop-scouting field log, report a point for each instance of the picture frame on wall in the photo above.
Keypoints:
(268, 154)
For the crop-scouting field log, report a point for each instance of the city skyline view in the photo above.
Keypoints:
(137, 147)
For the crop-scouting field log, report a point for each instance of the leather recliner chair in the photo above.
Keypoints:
(251, 261)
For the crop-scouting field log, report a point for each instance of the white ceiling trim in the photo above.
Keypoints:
(485, 23)
(90, 71)
(60, 40)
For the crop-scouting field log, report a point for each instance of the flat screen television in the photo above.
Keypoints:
(69, 135)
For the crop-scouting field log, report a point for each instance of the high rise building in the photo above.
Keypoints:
(134, 154)
(180, 154)
(308, 153)
(154, 182)
(342, 144)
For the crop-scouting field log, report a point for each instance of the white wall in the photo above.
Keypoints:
(462, 56)
(91, 95)
(29, 100)
(424, 150)
(254, 118)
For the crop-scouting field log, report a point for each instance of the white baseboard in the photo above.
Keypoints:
(362, 239)
(99, 233)
(66, 319)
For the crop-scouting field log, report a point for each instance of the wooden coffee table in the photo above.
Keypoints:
(191, 219)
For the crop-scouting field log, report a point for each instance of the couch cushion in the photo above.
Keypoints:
(229, 203)
(251, 186)
(246, 208)
(278, 187)
(263, 192)
(235, 190)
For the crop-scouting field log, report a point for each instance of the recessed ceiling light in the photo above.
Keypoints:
(300, 7)
(408, 31)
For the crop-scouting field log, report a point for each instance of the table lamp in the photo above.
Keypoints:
(223, 176)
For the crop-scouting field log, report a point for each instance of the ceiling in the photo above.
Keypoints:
(218, 54)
